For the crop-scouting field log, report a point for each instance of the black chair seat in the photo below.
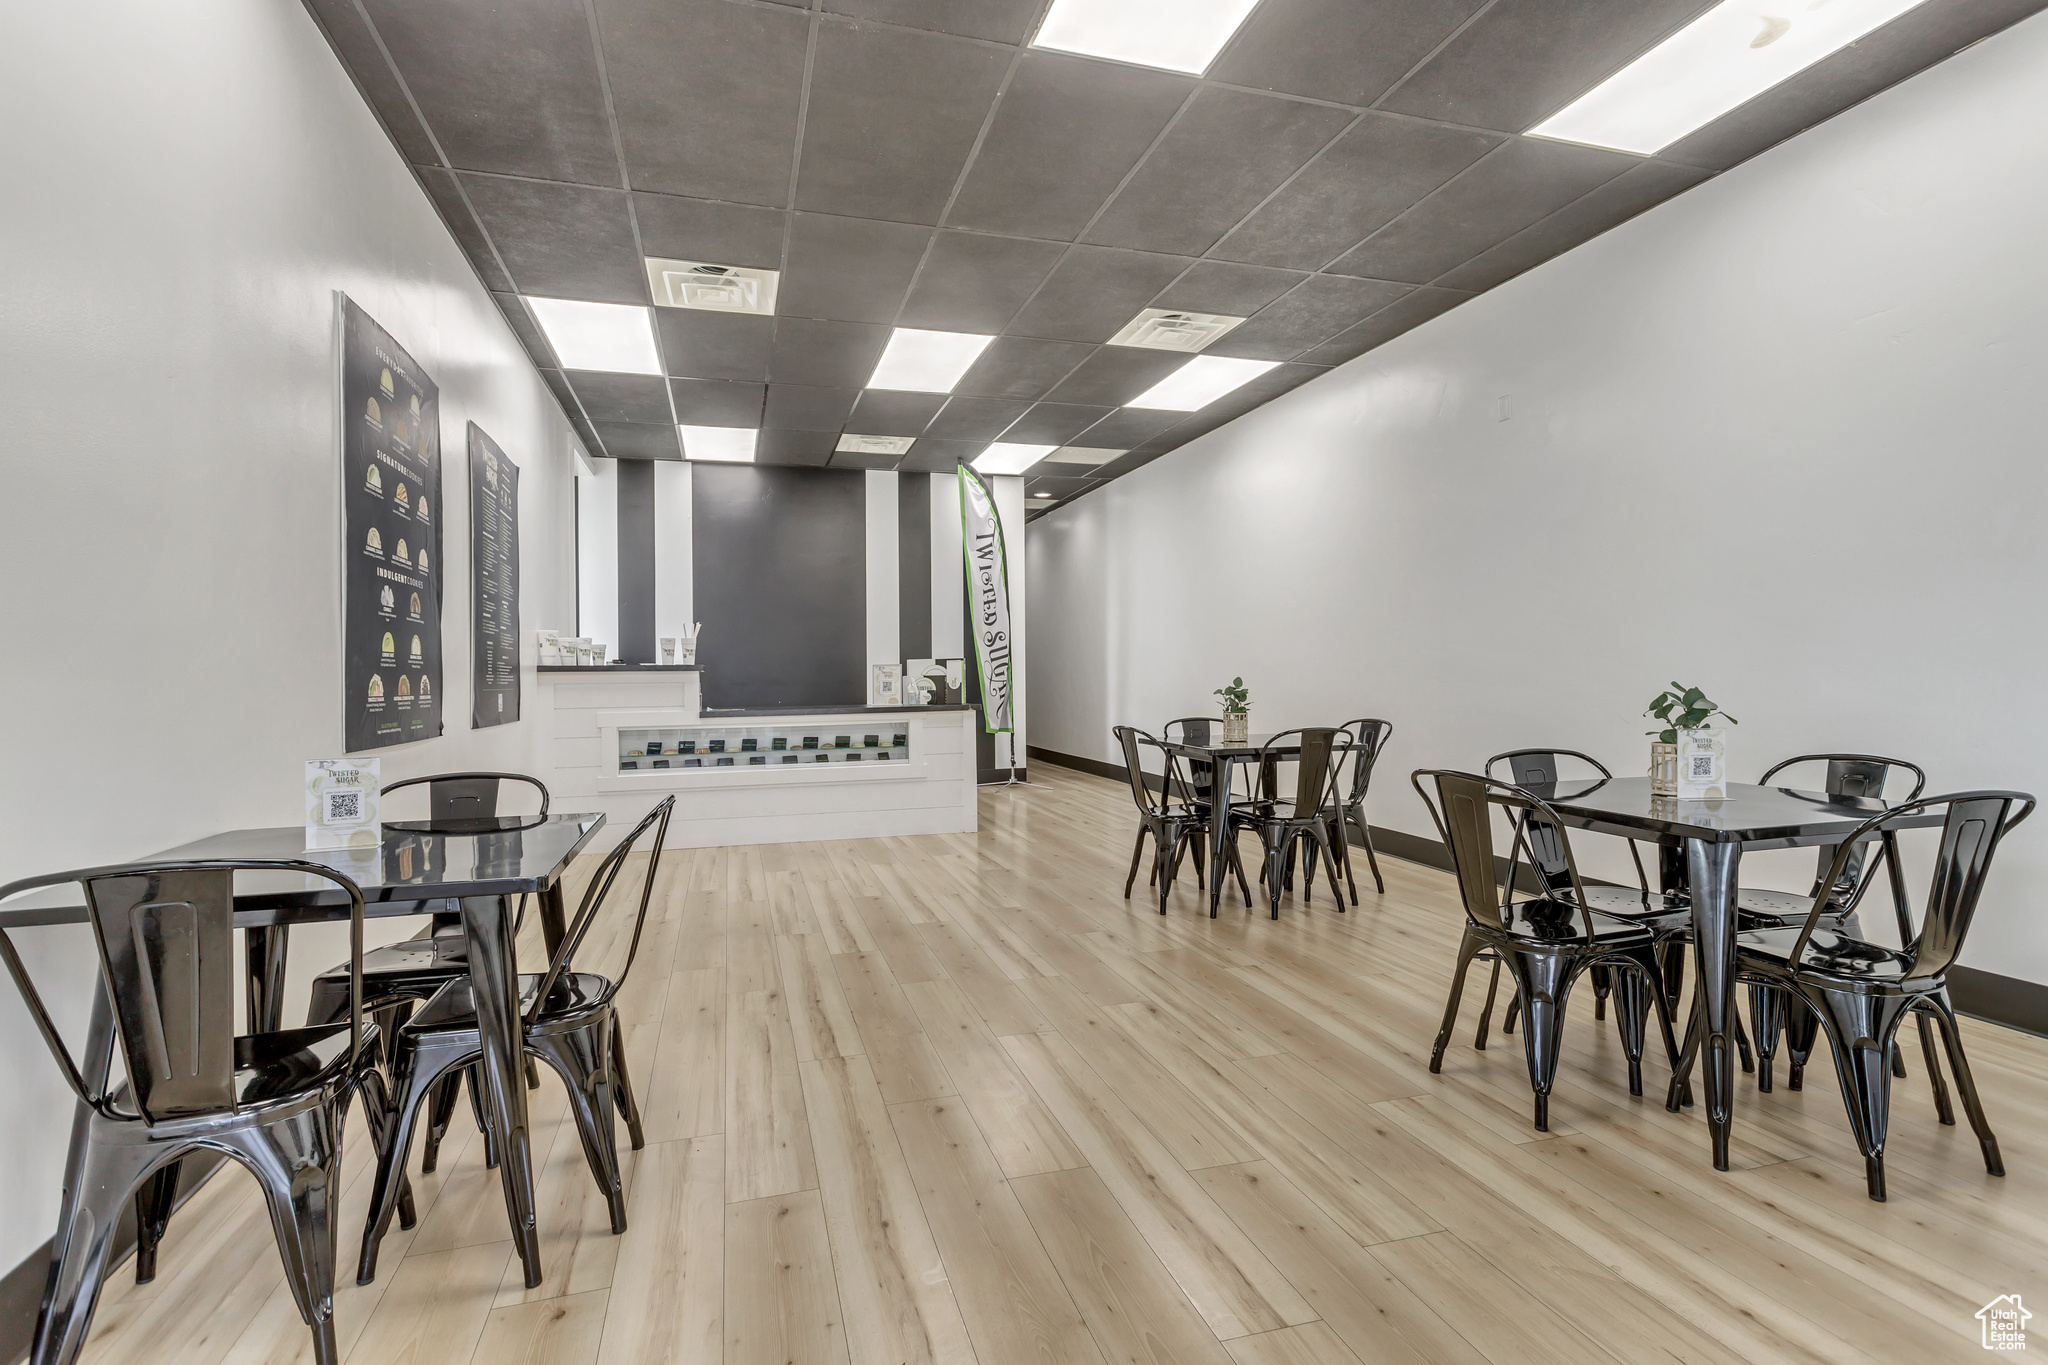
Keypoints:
(1554, 921)
(286, 1065)
(453, 1007)
(1828, 952)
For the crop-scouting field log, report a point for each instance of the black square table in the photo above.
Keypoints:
(1711, 836)
(467, 867)
(1223, 760)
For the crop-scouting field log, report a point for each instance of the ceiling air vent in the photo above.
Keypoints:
(1159, 329)
(875, 445)
(713, 288)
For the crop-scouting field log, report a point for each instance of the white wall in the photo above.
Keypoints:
(1781, 437)
(597, 553)
(186, 190)
(675, 598)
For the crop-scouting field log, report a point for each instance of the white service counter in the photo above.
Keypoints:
(625, 736)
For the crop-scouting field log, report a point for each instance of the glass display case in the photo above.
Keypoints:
(764, 745)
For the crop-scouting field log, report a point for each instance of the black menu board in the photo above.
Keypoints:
(494, 582)
(391, 540)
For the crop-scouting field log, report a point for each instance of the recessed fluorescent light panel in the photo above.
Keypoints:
(1087, 455)
(926, 362)
(1727, 56)
(1157, 329)
(1176, 35)
(713, 288)
(875, 445)
(618, 337)
(1007, 457)
(1045, 495)
(1200, 382)
(728, 445)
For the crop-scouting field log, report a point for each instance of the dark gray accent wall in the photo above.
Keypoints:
(780, 555)
(914, 565)
(636, 561)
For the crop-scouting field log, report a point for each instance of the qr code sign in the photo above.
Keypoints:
(1703, 767)
(344, 807)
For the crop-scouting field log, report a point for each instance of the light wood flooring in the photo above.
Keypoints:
(952, 1099)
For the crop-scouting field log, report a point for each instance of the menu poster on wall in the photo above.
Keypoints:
(391, 540)
(494, 580)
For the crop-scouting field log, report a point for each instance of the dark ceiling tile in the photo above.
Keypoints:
(587, 434)
(1620, 199)
(707, 95)
(1138, 458)
(558, 385)
(511, 88)
(853, 459)
(1002, 21)
(1021, 367)
(1224, 287)
(697, 344)
(835, 354)
(717, 402)
(622, 397)
(1523, 60)
(1402, 315)
(1094, 292)
(1126, 428)
(526, 329)
(561, 241)
(1914, 41)
(1227, 152)
(976, 283)
(634, 441)
(441, 188)
(891, 119)
(975, 419)
(679, 229)
(1067, 132)
(940, 457)
(1321, 307)
(1522, 180)
(358, 50)
(800, 407)
(1349, 51)
(1360, 183)
(1115, 375)
(849, 269)
(812, 448)
(1053, 423)
(890, 412)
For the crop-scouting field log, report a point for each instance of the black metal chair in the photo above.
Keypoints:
(567, 1020)
(1861, 775)
(1546, 940)
(1368, 740)
(1861, 991)
(1171, 824)
(1282, 823)
(274, 1101)
(398, 976)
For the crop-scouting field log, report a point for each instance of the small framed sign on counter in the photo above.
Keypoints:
(885, 684)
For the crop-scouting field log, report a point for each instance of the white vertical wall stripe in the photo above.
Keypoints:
(949, 587)
(674, 595)
(884, 623)
(597, 553)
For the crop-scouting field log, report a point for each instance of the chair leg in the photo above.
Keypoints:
(1341, 837)
(1966, 1084)
(474, 1083)
(1544, 980)
(622, 1088)
(1277, 859)
(153, 1205)
(1236, 860)
(107, 1178)
(1631, 993)
(1742, 1042)
(1860, 1031)
(1802, 1027)
(1322, 833)
(1942, 1109)
(1371, 858)
(1671, 954)
(1486, 1010)
(297, 1161)
(582, 1059)
(1767, 1017)
(440, 1112)
(1136, 849)
(1165, 853)
(1468, 947)
(417, 1083)
(1511, 1013)
(1603, 986)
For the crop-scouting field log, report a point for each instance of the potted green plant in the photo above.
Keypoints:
(1237, 705)
(1689, 757)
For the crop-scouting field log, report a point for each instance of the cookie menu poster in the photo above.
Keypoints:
(391, 539)
(494, 582)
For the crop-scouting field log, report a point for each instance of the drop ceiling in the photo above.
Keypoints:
(1344, 171)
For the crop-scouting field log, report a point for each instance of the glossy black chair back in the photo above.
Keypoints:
(1199, 780)
(1858, 775)
(468, 796)
(594, 897)
(1463, 813)
(1544, 841)
(1133, 741)
(1317, 764)
(1368, 738)
(1976, 823)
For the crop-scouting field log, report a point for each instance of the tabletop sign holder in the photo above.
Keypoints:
(342, 804)
(1702, 765)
